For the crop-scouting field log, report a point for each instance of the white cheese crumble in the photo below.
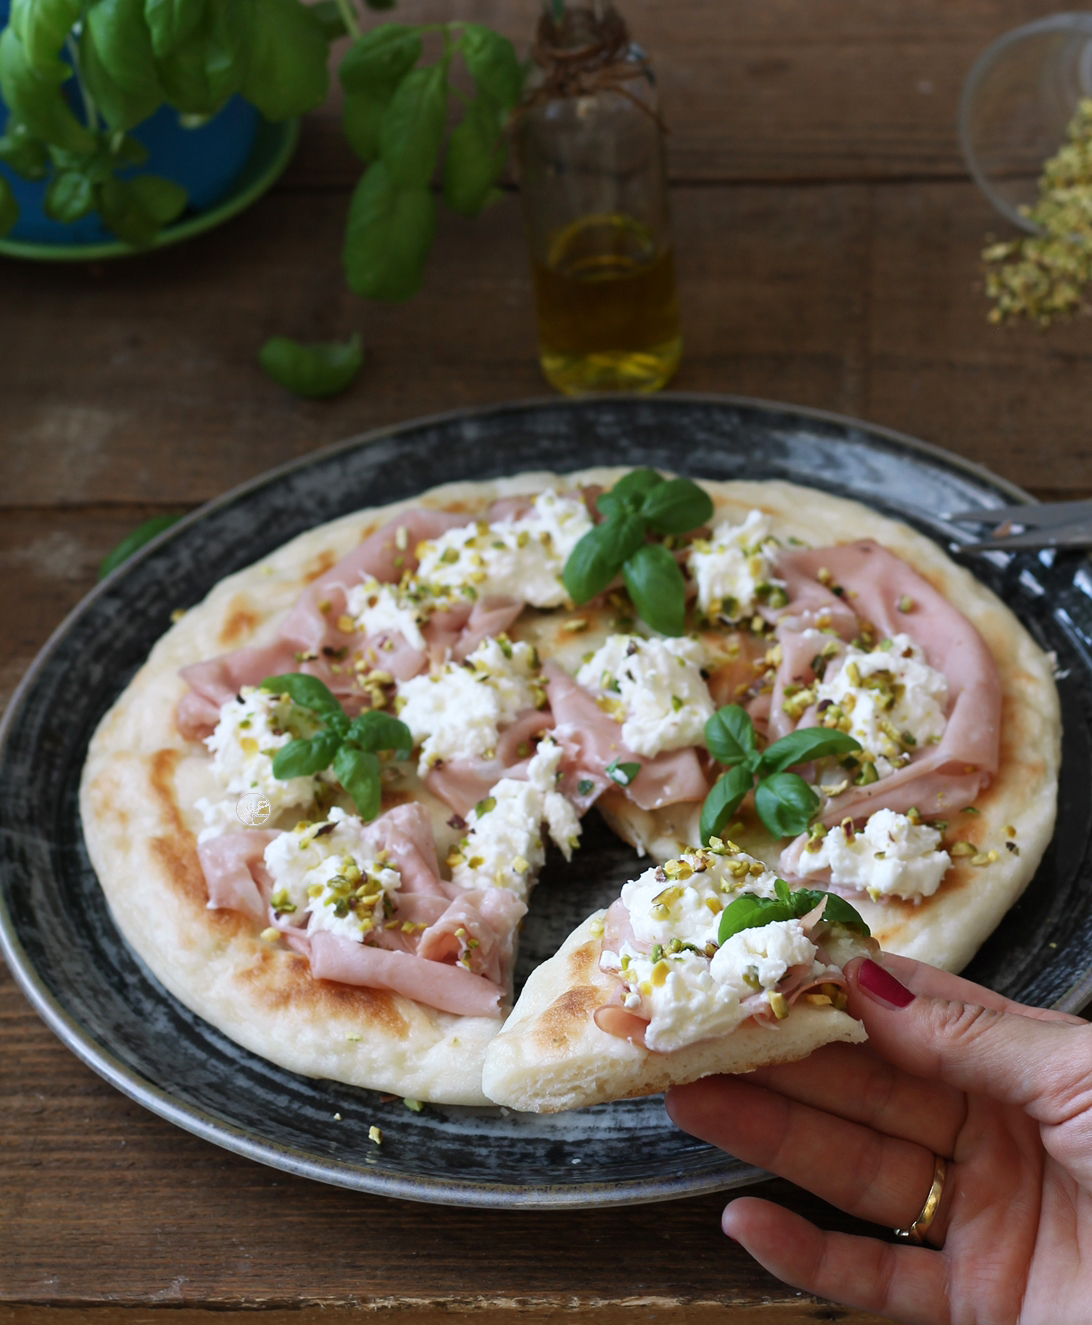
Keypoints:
(377, 609)
(455, 712)
(327, 871)
(893, 700)
(520, 559)
(503, 847)
(251, 730)
(654, 688)
(674, 972)
(890, 857)
(734, 570)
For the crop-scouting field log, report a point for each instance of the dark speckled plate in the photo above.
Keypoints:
(62, 945)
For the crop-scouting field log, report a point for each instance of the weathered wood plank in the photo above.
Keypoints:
(138, 381)
(844, 90)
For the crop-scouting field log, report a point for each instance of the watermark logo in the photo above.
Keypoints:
(254, 809)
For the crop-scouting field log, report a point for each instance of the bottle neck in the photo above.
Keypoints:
(580, 30)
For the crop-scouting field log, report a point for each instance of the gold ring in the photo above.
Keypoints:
(918, 1229)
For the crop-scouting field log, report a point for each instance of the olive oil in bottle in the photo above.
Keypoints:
(608, 316)
(589, 139)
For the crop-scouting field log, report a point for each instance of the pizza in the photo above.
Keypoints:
(318, 810)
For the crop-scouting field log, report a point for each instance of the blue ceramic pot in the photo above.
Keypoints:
(205, 161)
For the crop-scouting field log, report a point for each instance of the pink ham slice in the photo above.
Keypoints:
(439, 985)
(489, 916)
(940, 778)
(235, 873)
(405, 833)
(462, 783)
(591, 741)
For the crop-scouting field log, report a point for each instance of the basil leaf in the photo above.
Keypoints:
(116, 62)
(375, 730)
(42, 26)
(69, 196)
(657, 588)
(623, 774)
(785, 804)
(358, 773)
(476, 153)
(677, 506)
(305, 758)
(23, 153)
(783, 892)
(171, 22)
(33, 94)
(805, 744)
(9, 208)
(381, 4)
(330, 19)
(750, 912)
(209, 66)
(313, 371)
(637, 483)
(380, 57)
(361, 116)
(131, 542)
(730, 735)
(723, 801)
(387, 236)
(136, 209)
(837, 911)
(287, 66)
(492, 63)
(598, 556)
(412, 127)
(306, 691)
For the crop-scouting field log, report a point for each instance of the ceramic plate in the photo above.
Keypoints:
(96, 995)
(273, 147)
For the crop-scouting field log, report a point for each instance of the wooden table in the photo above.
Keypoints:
(827, 237)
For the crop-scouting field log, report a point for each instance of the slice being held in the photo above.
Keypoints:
(708, 963)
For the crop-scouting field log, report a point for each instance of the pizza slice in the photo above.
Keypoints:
(706, 964)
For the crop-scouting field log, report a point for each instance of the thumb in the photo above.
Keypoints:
(1043, 1066)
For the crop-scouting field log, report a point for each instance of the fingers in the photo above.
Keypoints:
(923, 979)
(907, 1283)
(1045, 1066)
(851, 1081)
(881, 1178)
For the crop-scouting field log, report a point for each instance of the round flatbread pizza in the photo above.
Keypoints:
(319, 807)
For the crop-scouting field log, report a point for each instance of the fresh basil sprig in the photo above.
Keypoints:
(350, 745)
(750, 912)
(313, 371)
(640, 502)
(784, 801)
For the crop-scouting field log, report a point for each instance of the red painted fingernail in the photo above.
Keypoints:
(882, 985)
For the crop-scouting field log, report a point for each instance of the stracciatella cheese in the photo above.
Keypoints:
(503, 846)
(327, 871)
(252, 728)
(734, 569)
(521, 558)
(377, 609)
(456, 711)
(893, 700)
(654, 688)
(890, 857)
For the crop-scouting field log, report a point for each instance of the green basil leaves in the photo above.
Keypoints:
(750, 912)
(783, 801)
(351, 746)
(639, 502)
(313, 371)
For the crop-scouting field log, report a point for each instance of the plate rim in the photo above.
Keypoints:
(341, 1172)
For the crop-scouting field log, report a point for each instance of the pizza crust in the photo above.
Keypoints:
(551, 1055)
(141, 779)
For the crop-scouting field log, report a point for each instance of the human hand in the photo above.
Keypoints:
(1002, 1091)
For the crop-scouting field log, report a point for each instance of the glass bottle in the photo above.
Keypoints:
(589, 141)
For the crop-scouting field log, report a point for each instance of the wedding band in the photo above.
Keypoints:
(918, 1229)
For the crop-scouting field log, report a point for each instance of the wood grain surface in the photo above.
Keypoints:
(828, 243)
